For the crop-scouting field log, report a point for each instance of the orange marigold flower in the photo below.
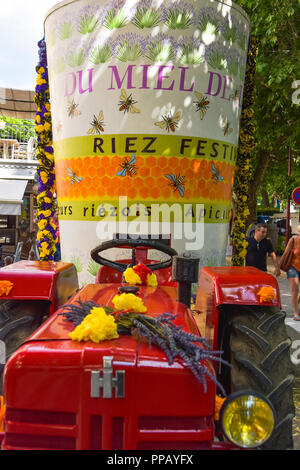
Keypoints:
(218, 405)
(5, 287)
(266, 294)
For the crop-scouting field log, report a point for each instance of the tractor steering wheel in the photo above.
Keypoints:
(132, 243)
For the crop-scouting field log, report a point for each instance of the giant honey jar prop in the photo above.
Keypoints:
(146, 99)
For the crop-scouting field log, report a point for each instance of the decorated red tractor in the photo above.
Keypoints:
(128, 363)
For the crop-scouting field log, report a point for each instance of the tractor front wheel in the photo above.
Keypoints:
(255, 342)
(18, 320)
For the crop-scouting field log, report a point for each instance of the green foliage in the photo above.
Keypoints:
(276, 25)
(20, 129)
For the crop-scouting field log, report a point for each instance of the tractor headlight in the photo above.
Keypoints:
(247, 419)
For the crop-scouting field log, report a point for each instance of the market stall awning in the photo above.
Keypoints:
(17, 103)
(11, 196)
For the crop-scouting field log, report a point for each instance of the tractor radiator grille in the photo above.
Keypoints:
(173, 433)
(107, 433)
(151, 432)
(32, 429)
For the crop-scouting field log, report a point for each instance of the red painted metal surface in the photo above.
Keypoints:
(226, 286)
(48, 380)
(33, 279)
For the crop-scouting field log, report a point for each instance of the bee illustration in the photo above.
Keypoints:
(235, 96)
(201, 104)
(225, 125)
(128, 166)
(216, 176)
(177, 183)
(97, 124)
(72, 108)
(59, 128)
(73, 177)
(126, 103)
(169, 122)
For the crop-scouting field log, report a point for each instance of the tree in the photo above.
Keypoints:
(276, 25)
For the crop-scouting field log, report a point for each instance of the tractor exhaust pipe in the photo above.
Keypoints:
(185, 271)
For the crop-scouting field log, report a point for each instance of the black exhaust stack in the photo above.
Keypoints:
(185, 271)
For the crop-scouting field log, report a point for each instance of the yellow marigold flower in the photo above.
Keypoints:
(151, 280)
(47, 106)
(131, 277)
(266, 294)
(38, 118)
(129, 302)
(96, 326)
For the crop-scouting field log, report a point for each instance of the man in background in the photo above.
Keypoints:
(259, 246)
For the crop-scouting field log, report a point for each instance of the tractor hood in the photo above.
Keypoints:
(120, 390)
(158, 300)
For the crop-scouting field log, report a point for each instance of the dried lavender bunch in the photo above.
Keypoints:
(176, 343)
(76, 313)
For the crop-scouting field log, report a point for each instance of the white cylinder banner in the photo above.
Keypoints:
(146, 100)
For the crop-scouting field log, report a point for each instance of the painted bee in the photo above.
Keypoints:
(235, 96)
(169, 122)
(59, 128)
(72, 108)
(217, 177)
(126, 103)
(177, 183)
(225, 125)
(73, 177)
(201, 104)
(128, 166)
(97, 124)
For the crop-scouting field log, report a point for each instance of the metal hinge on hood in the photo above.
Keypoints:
(107, 382)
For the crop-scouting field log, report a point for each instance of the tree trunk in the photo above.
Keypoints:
(258, 176)
(265, 198)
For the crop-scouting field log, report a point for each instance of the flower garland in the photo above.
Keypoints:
(46, 177)
(244, 166)
(140, 274)
(99, 323)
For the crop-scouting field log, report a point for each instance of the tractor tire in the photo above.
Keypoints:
(18, 320)
(255, 342)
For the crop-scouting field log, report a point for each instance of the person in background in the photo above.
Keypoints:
(8, 260)
(259, 246)
(293, 274)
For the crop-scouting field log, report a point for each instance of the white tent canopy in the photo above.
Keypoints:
(11, 196)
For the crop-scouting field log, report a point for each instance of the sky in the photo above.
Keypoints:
(21, 27)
